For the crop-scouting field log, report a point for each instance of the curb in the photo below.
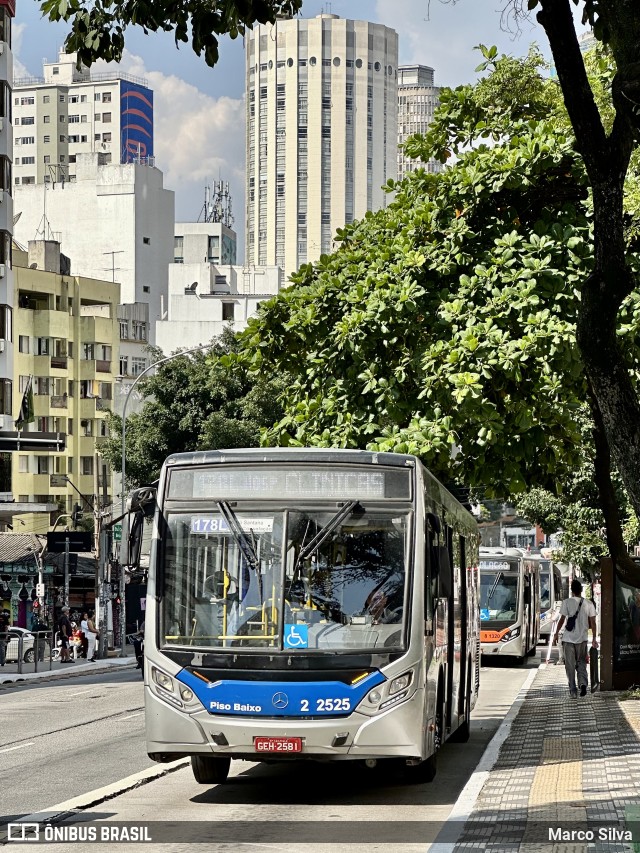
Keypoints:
(9, 680)
(65, 809)
(463, 806)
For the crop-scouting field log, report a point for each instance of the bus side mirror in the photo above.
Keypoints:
(131, 544)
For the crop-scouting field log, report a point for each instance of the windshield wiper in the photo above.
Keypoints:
(246, 547)
(323, 534)
(495, 586)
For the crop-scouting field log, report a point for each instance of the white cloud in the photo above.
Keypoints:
(17, 33)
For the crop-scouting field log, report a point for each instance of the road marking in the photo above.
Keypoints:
(93, 798)
(22, 746)
(131, 716)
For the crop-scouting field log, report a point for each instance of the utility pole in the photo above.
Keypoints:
(66, 570)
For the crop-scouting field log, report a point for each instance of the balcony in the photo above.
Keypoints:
(103, 366)
(59, 402)
(103, 405)
(58, 362)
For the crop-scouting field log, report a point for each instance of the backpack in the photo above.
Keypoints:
(571, 620)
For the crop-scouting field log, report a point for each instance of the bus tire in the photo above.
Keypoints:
(209, 769)
(425, 771)
(463, 732)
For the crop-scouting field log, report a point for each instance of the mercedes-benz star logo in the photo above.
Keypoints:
(280, 700)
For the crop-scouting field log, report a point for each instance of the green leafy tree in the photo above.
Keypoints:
(98, 26)
(195, 402)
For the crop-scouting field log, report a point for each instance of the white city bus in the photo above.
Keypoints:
(509, 602)
(306, 603)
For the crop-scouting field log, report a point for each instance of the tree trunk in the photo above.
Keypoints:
(606, 158)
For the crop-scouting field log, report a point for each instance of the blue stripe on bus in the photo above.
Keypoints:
(280, 698)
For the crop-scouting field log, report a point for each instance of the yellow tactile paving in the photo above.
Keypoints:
(556, 796)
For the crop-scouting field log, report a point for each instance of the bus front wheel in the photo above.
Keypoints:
(210, 770)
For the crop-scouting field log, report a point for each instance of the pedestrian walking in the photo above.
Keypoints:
(92, 636)
(65, 630)
(579, 615)
(138, 640)
(84, 628)
(5, 624)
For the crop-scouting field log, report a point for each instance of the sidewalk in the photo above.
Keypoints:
(9, 672)
(566, 766)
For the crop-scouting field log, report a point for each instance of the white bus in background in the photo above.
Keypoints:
(509, 602)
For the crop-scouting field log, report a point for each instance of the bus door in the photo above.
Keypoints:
(528, 617)
(462, 606)
(453, 626)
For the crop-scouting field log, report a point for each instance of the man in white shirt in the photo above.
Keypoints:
(580, 611)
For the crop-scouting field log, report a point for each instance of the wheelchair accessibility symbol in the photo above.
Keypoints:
(296, 636)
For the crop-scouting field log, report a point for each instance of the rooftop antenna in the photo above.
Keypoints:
(44, 226)
(217, 204)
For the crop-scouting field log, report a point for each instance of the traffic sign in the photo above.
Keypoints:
(117, 533)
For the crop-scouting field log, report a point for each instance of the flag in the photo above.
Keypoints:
(26, 415)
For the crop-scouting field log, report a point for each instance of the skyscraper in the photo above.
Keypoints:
(321, 133)
(417, 100)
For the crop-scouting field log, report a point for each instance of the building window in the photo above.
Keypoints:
(45, 99)
(124, 365)
(46, 119)
(138, 365)
(106, 117)
(28, 140)
(146, 288)
(23, 464)
(227, 310)
(43, 464)
(124, 330)
(86, 466)
(146, 241)
(74, 119)
(56, 70)
(23, 343)
(106, 137)
(178, 250)
(106, 97)
(139, 331)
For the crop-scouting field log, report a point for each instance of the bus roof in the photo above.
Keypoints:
(292, 454)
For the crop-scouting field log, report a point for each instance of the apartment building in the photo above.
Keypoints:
(66, 333)
(70, 111)
(207, 290)
(418, 98)
(322, 106)
(7, 414)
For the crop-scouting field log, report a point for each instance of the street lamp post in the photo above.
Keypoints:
(123, 610)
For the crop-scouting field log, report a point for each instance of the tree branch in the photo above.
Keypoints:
(591, 140)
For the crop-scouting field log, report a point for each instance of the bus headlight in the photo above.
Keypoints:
(510, 635)
(375, 697)
(400, 683)
(185, 694)
(161, 678)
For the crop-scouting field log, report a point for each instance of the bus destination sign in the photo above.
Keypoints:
(289, 483)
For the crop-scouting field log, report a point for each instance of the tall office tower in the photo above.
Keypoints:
(321, 133)
(71, 111)
(417, 100)
(7, 412)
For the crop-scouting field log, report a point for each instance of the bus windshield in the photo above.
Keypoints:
(286, 580)
(498, 595)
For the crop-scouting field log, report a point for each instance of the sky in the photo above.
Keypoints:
(199, 112)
